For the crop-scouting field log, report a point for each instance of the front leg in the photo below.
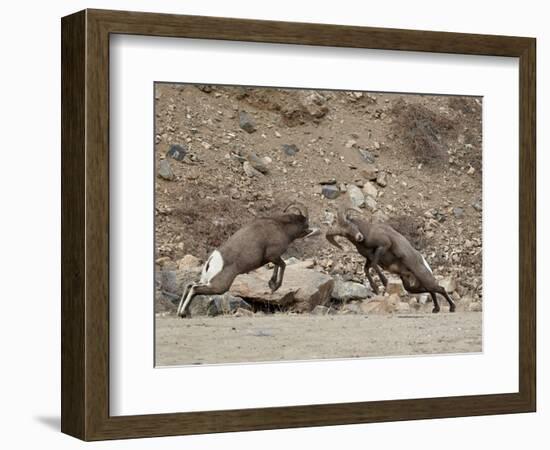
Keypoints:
(373, 285)
(273, 280)
(278, 273)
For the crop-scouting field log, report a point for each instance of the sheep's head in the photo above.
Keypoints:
(300, 215)
(345, 227)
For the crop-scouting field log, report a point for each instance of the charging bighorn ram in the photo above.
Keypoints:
(382, 246)
(261, 241)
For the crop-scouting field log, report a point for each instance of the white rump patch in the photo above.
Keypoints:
(212, 267)
(426, 264)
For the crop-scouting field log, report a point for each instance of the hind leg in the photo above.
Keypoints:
(419, 289)
(218, 285)
(441, 290)
(436, 304)
(373, 285)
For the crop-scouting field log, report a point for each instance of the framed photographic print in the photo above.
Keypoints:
(271, 224)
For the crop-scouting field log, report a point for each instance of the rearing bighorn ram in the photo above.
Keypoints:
(382, 246)
(261, 241)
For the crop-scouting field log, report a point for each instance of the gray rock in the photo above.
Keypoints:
(369, 189)
(290, 149)
(357, 199)
(246, 122)
(381, 179)
(352, 308)
(367, 156)
(370, 173)
(214, 305)
(458, 213)
(177, 152)
(257, 163)
(330, 191)
(315, 104)
(477, 206)
(320, 310)
(165, 171)
(251, 171)
(349, 290)
(371, 203)
(168, 281)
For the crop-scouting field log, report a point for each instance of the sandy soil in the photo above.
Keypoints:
(284, 337)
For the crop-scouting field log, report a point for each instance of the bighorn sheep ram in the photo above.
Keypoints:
(261, 241)
(382, 246)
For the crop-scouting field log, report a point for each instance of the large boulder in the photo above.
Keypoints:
(302, 288)
(214, 305)
(349, 290)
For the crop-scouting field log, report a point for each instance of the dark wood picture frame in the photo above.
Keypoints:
(85, 224)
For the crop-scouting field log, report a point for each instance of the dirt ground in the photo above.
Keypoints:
(286, 337)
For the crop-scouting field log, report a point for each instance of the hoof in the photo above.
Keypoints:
(435, 310)
(452, 309)
(273, 286)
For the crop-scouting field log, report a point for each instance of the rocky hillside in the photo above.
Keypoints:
(225, 155)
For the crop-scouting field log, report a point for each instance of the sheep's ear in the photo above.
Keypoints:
(359, 237)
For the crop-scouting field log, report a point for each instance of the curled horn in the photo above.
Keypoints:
(331, 235)
(344, 214)
(300, 207)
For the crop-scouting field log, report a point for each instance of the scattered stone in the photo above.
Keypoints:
(163, 260)
(241, 312)
(206, 88)
(367, 156)
(188, 261)
(251, 171)
(331, 181)
(351, 143)
(246, 122)
(349, 290)
(449, 283)
(320, 310)
(395, 287)
(370, 173)
(458, 213)
(165, 171)
(475, 307)
(371, 203)
(369, 189)
(471, 171)
(315, 104)
(177, 152)
(381, 179)
(477, 206)
(169, 281)
(290, 149)
(352, 308)
(357, 199)
(376, 145)
(380, 217)
(214, 305)
(402, 307)
(330, 191)
(257, 163)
